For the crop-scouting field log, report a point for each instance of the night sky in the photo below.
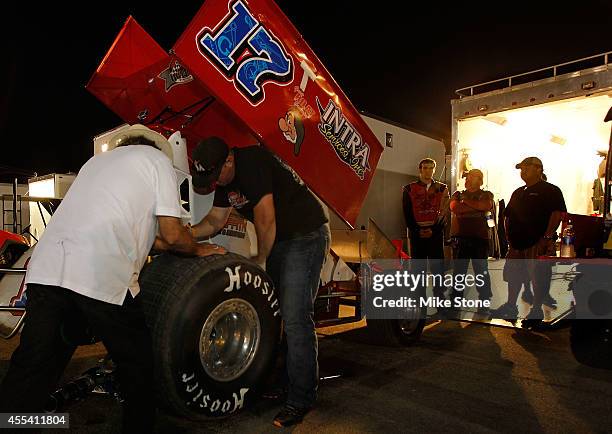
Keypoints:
(399, 62)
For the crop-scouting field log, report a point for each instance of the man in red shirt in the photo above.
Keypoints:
(425, 205)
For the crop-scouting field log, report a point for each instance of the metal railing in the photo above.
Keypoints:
(554, 70)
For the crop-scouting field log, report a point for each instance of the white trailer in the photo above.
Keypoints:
(558, 118)
(557, 114)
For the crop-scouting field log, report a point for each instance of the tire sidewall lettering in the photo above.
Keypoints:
(200, 393)
(241, 279)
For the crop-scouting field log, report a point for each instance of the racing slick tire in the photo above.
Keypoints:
(591, 342)
(215, 325)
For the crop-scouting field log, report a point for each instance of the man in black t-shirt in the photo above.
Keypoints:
(531, 220)
(292, 242)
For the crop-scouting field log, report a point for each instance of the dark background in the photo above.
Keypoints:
(399, 62)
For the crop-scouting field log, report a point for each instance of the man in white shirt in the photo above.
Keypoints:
(87, 264)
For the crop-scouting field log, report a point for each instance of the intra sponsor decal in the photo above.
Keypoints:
(344, 138)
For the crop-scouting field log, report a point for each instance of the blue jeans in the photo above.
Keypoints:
(295, 267)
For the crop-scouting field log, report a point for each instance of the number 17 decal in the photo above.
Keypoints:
(246, 53)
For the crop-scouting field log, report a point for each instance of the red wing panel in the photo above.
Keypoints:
(252, 59)
(142, 84)
(121, 81)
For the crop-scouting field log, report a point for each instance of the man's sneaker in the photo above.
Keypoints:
(290, 415)
(534, 319)
(535, 313)
(506, 311)
(550, 302)
(527, 296)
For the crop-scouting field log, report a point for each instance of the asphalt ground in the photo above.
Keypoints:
(461, 377)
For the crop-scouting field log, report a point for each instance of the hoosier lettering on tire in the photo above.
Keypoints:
(215, 324)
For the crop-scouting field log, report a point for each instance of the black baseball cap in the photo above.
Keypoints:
(208, 158)
(530, 161)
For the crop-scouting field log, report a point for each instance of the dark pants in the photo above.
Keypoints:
(42, 355)
(522, 267)
(429, 251)
(476, 250)
(295, 267)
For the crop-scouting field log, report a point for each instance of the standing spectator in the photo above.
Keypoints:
(87, 263)
(425, 203)
(531, 220)
(470, 231)
(527, 294)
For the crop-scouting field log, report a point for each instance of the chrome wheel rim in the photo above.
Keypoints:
(229, 339)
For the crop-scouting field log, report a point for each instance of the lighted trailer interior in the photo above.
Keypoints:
(569, 137)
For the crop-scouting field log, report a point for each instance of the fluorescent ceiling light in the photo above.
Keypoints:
(558, 140)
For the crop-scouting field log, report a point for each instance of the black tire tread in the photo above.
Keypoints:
(162, 283)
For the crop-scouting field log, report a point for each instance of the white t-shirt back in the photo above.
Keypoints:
(98, 239)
